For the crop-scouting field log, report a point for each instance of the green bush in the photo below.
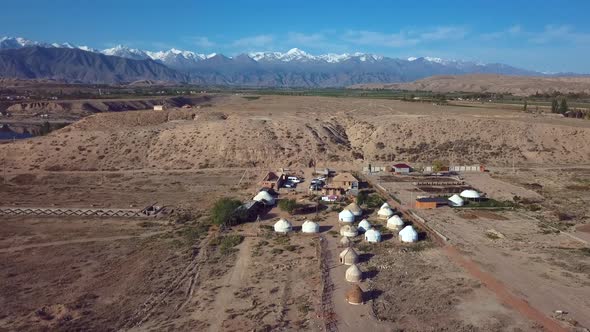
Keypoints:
(224, 211)
(228, 242)
(288, 205)
(375, 201)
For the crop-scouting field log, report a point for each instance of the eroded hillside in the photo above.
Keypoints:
(281, 131)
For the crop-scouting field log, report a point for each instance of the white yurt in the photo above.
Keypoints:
(345, 216)
(408, 234)
(265, 198)
(395, 223)
(470, 194)
(456, 200)
(349, 231)
(373, 236)
(345, 242)
(348, 256)
(354, 274)
(364, 225)
(310, 227)
(355, 209)
(385, 205)
(385, 212)
(283, 226)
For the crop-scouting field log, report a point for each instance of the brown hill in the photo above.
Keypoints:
(516, 85)
(280, 131)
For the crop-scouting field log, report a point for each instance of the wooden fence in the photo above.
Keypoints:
(72, 212)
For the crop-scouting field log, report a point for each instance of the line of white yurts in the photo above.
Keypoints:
(355, 209)
(346, 216)
(456, 200)
(265, 198)
(353, 274)
(385, 212)
(395, 223)
(373, 236)
(283, 226)
(348, 256)
(364, 225)
(310, 227)
(408, 234)
(349, 231)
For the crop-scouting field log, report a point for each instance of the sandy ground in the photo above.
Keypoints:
(525, 252)
(236, 132)
(516, 85)
(114, 274)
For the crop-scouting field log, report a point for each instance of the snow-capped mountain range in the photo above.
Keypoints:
(180, 59)
(294, 68)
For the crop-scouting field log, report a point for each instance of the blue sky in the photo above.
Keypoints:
(541, 35)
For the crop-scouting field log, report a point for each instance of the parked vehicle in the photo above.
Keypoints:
(290, 184)
(294, 179)
(315, 187)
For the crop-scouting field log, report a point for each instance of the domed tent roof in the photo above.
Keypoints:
(345, 241)
(385, 205)
(265, 198)
(355, 209)
(348, 256)
(345, 216)
(408, 234)
(456, 200)
(354, 295)
(470, 193)
(395, 223)
(385, 212)
(364, 225)
(373, 235)
(354, 274)
(349, 231)
(310, 227)
(283, 226)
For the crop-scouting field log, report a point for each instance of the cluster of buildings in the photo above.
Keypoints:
(455, 200)
(403, 168)
(349, 231)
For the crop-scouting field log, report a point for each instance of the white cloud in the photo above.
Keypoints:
(373, 38)
(301, 39)
(404, 38)
(553, 33)
(444, 33)
(510, 32)
(254, 41)
(203, 42)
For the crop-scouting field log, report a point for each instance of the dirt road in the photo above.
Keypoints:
(233, 281)
(349, 317)
(76, 241)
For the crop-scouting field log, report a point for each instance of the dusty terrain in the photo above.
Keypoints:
(68, 110)
(240, 132)
(180, 274)
(516, 85)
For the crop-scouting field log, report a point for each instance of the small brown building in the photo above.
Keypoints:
(354, 295)
(430, 202)
(345, 181)
(273, 180)
(332, 191)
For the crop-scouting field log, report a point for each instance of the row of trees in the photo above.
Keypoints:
(557, 107)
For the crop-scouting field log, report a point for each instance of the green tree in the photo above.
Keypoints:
(563, 108)
(288, 205)
(362, 198)
(554, 106)
(437, 166)
(224, 211)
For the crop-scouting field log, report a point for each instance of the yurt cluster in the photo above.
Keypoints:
(349, 231)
